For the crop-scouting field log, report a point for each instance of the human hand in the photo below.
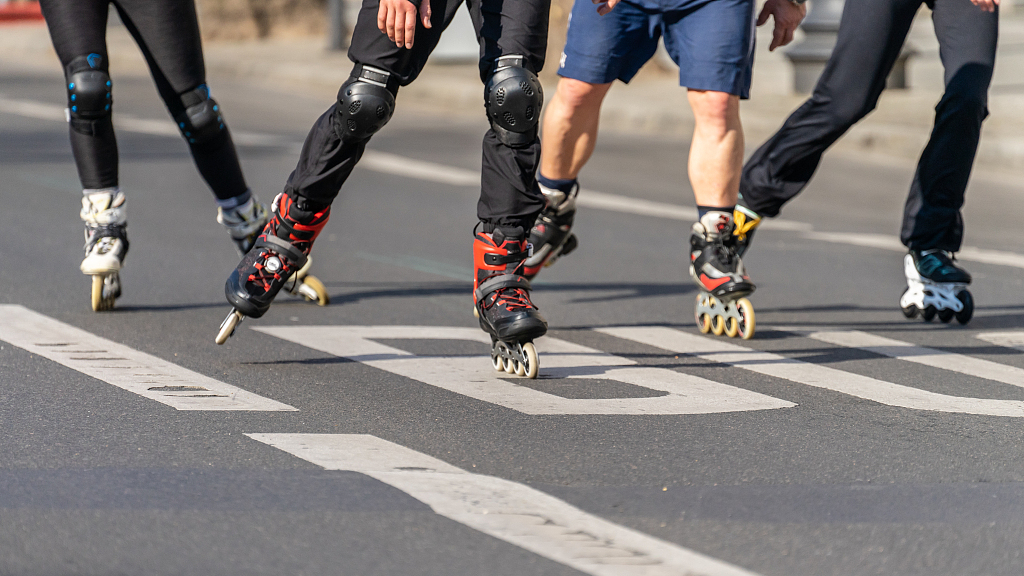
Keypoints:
(788, 16)
(605, 6)
(397, 19)
(986, 5)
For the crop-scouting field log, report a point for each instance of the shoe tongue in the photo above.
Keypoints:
(500, 235)
(717, 223)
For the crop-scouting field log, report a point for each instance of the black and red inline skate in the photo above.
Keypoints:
(722, 306)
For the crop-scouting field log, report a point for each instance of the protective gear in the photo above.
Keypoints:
(89, 99)
(201, 121)
(365, 104)
(513, 98)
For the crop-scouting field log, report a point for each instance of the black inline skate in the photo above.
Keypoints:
(106, 244)
(501, 297)
(278, 254)
(722, 306)
(551, 236)
(936, 286)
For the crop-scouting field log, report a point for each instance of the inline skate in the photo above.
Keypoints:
(501, 299)
(276, 259)
(936, 287)
(106, 244)
(552, 237)
(721, 306)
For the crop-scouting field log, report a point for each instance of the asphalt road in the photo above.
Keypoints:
(842, 440)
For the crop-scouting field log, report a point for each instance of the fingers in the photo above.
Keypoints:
(382, 18)
(399, 28)
(410, 28)
(425, 13)
(762, 17)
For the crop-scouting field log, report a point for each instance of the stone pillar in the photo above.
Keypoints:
(337, 31)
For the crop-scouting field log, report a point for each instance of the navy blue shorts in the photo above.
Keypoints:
(712, 41)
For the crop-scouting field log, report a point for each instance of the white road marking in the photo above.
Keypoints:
(509, 511)
(921, 355)
(1011, 339)
(472, 376)
(435, 172)
(718, 350)
(124, 367)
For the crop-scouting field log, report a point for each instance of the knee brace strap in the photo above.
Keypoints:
(513, 98)
(89, 89)
(365, 104)
(201, 121)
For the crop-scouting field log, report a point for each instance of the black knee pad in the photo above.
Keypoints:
(201, 121)
(365, 104)
(513, 98)
(89, 89)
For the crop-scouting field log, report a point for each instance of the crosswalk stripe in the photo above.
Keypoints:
(1010, 339)
(921, 355)
(717, 350)
(124, 367)
(513, 512)
(472, 376)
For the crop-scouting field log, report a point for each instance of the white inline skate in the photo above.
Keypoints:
(106, 244)
(936, 287)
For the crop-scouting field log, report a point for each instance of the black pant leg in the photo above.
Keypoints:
(871, 35)
(967, 45)
(167, 32)
(326, 161)
(509, 194)
(79, 28)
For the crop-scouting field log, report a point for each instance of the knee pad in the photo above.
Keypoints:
(365, 104)
(513, 98)
(201, 121)
(89, 89)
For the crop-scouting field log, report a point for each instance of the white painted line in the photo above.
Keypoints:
(509, 511)
(434, 172)
(124, 367)
(717, 350)
(921, 355)
(473, 376)
(1011, 339)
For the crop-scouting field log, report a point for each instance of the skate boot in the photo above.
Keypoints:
(722, 306)
(244, 224)
(745, 223)
(106, 244)
(552, 237)
(278, 254)
(501, 296)
(936, 286)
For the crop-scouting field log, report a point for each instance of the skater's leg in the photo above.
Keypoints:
(967, 45)
(716, 151)
(871, 35)
(570, 128)
(167, 32)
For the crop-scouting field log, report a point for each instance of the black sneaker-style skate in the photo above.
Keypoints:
(936, 286)
(245, 223)
(279, 253)
(501, 297)
(551, 236)
(106, 244)
(722, 306)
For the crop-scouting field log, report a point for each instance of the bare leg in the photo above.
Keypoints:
(570, 128)
(716, 152)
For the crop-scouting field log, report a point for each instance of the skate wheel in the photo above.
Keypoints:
(704, 323)
(496, 363)
(946, 314)
(909, 312)
(227, 327)
(520, 368)
(929, 313)
(747, 322)
(718, 325)
(965, 314)
(313, 290)
(476, 312)
(532, 361)
(105, 290)
(508, 365)
(732, 327)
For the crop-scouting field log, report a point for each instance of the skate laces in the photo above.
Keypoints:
(265, 275)
(513, 299)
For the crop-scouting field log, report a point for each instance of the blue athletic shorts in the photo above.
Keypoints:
(712, 41)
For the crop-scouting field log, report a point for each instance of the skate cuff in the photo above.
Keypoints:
(293, 255)
(496, 283)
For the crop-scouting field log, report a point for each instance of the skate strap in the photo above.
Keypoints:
(499, 259)
(495, 283)
(293, 255)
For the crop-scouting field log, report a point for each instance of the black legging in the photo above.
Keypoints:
(509, 195)
(871, 36)
(167, 32)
